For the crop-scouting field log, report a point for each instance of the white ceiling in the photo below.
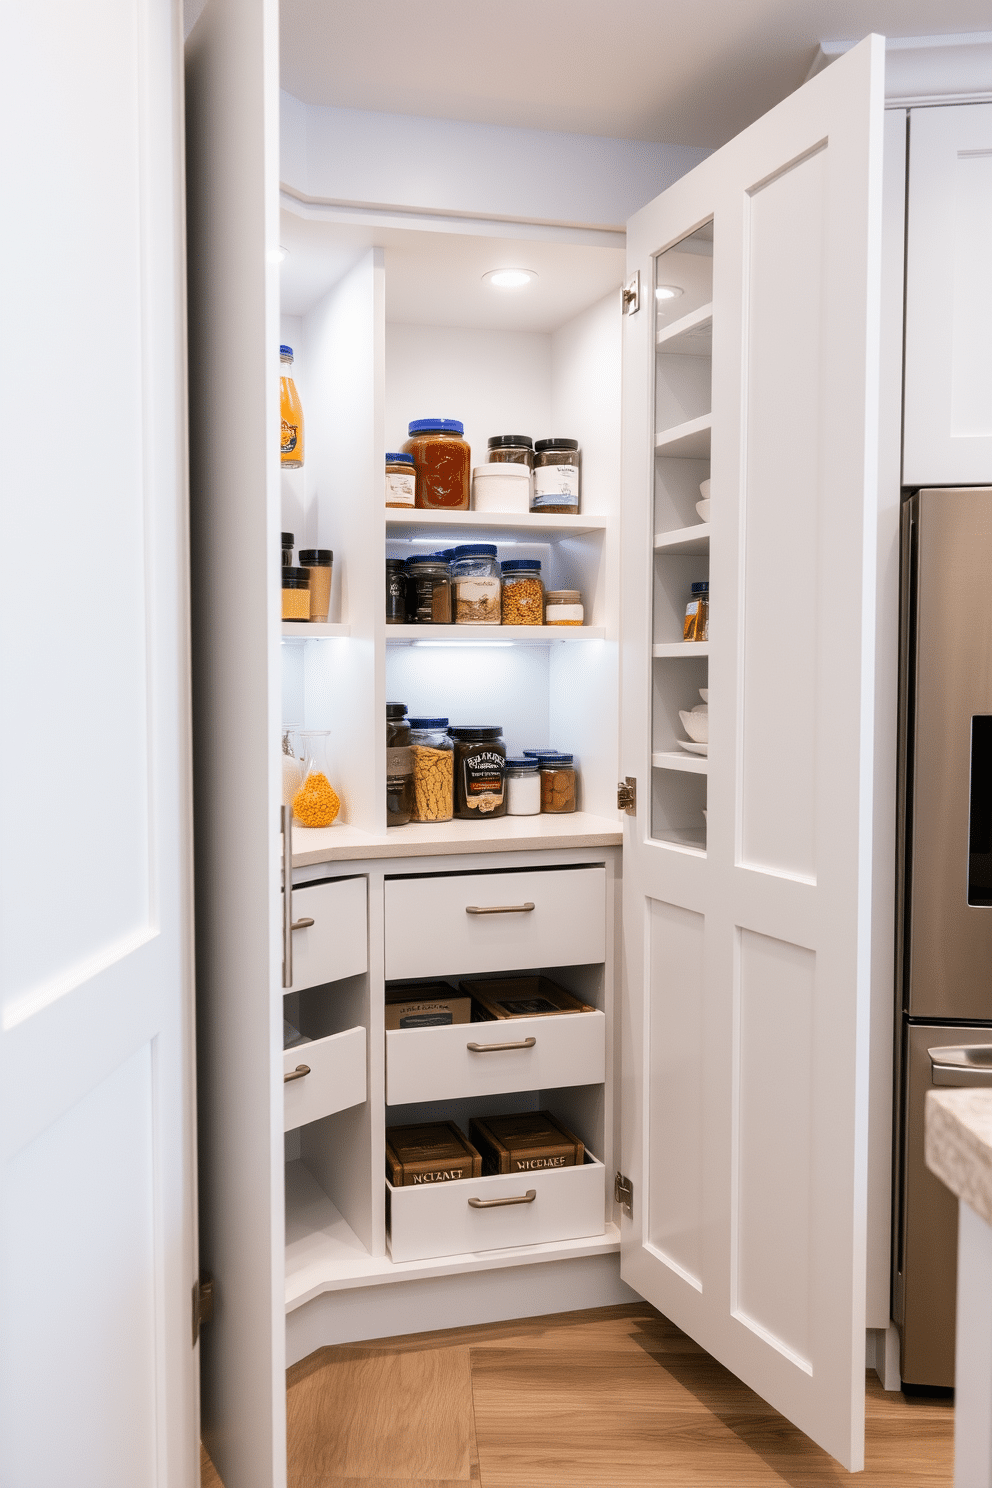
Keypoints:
(689, 72)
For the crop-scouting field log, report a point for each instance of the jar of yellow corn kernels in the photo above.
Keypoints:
(523, 592)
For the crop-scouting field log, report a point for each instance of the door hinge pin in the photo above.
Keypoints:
(630, 295)
(623, 1193)
(203, 1303)
(627, 795)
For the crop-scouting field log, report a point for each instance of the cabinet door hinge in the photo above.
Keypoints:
(627, 795)
(203, 1303)
(623, 1193)
(630, 298)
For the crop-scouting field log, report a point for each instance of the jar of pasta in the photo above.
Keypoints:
(443, 464)
(433, 752)
(523, 592)
(475, 582)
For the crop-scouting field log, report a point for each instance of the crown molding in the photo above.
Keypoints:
(924, 71)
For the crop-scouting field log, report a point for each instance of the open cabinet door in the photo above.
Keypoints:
(747, 870)
(232, 66)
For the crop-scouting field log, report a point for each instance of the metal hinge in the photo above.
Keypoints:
(627, 795)
(203, 1303)
(630, 295)
(623, 1193)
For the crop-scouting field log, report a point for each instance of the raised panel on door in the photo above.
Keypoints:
(948, 380)
(747, 868)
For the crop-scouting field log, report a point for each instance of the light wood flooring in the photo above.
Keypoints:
(615, 1398)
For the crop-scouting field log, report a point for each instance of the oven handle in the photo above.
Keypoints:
(956, 1066)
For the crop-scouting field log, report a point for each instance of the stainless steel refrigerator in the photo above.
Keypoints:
(944, 935)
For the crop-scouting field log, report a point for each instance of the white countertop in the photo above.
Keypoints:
(958, 1144)
(505, 834)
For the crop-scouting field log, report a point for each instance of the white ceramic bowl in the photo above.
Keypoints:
(703, 508)
(704, 693)
(704, 490)
(696, 725)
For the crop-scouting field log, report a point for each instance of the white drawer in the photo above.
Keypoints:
(432, 928)
(424, 1064)
(337, 943)
(568, 1204)
(336, 1078)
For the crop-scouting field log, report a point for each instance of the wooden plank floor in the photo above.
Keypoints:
(616, 1398)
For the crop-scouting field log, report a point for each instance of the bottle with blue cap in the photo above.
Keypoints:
(443, 463)
(290, 414)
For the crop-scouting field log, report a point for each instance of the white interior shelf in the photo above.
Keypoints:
(688, 441)
(681, 759)
(690, 336)
(312, 630)
(493, 635)
(476, 524)
(689, 540)
(681, 648)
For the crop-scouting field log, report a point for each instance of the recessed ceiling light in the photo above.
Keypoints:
(509, 278)
(667, 292)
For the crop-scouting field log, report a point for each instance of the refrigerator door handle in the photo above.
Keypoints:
(961, 1064)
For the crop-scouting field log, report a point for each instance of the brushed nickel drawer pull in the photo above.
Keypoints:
(303, 924)
(499, 908)
(527, 1043)
(297, 1074)
(527, 1198)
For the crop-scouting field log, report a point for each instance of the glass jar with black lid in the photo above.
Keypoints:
(428, 591)
(399, 767)
(395, 591)
(557, 464)
(480, 771)
(511, 449)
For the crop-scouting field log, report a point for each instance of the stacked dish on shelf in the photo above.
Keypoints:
(696, 723)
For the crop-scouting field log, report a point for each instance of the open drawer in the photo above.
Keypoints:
(334, 1078)
(330, 931)
(509, 1209)
(467, 1059)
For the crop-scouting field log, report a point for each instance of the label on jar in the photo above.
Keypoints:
(290, 437)
(556, 485)
(400, 489)
(477, 601)
(483, 776)
(399, 761)
(563, 614)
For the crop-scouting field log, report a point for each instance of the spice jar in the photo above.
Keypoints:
(480, 771)
(523, 787)
(442, 461)
(295, 594)
(290, 414)
(433, 753)
(399, 767)
(696, 625)
(556, 476)
(428, 591)
(563, 607)
(395, 591)
(557, 783)
(288, 544)
(523, 592)
(318, 562)
(512, 449)
(475, 580)
(401, 481)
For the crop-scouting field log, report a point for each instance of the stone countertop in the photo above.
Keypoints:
(958, 1144)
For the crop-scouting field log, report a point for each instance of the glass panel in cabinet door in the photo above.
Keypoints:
(683, 332)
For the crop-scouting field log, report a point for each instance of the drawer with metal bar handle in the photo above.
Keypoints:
(332, 1078)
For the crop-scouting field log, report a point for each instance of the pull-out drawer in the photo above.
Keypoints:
(469, 1059)
(334, 1078)
(509, 1209)
(474, 922)
(332, 940)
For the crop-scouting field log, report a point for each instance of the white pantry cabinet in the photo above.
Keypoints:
(740, 968)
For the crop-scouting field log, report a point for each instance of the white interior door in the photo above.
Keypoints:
(97, 1170)
(748, 932)
(232, 98)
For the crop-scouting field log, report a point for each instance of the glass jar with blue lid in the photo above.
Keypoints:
(443, 463)
(476, 584)
(523, 592)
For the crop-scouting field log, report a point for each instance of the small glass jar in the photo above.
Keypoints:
(480, 771)
(523, 592)
(319, 563)
(428, 591)
(443, 463)
(290, 414)
(563, 607)
(399, 767)
(523, 787)
(395, 591)
(288, 544)
(401, 481)
(296, 594)
(433, 752)
(696, 625)
(475, 581)
(556, 476)
(511, 449)
(557, 783)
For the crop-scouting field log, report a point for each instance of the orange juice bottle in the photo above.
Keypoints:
(290, 413)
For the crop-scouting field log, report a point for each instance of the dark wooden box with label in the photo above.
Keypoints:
(531, 1142)
(429, 1153)
(426, 1005)
(521, 997)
